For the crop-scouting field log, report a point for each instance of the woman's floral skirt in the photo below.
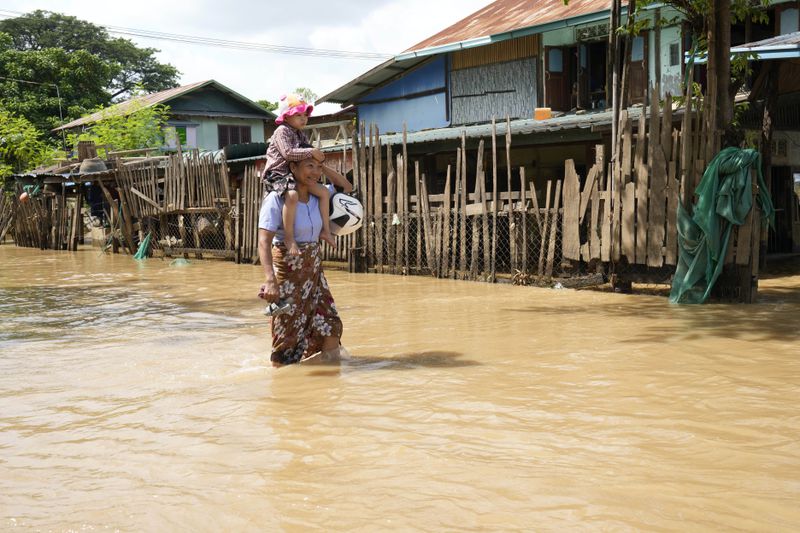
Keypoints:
(312, 316)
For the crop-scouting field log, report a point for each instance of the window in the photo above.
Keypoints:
(674, 54)
(186, 134)
(556, 60)
(637, 49)
(232, 135)
(789, 21)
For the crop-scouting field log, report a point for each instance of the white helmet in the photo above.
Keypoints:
(347, 214)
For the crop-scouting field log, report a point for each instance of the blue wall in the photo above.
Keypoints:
(419, 98)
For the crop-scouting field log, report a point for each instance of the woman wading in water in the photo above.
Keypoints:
(309, 325)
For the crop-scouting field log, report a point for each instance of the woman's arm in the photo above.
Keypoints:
(337, 179)
(270, 288)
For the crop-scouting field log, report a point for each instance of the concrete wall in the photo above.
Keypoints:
(205, 130)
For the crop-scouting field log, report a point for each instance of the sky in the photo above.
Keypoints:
(384, 26)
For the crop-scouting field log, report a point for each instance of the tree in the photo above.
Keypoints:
(81, 79)
(131, 66)
(140, 127)
(21, 145)
(90, 68)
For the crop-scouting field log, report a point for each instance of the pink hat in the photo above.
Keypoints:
(292, 104)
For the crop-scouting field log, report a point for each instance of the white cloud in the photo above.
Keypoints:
(386, 26)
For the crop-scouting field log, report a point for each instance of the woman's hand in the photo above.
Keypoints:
(269, 291)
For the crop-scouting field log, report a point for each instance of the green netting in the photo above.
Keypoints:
(724, 198)
(144, 248)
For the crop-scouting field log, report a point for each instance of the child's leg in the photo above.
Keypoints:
(290, 199)
(324, 195)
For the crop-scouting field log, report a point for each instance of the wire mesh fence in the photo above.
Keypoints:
(518, 246)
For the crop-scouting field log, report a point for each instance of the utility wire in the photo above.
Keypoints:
(224, 43)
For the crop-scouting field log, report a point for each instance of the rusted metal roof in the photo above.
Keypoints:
(780, 47)
(508, 15)
(160, 97)
(499, 21)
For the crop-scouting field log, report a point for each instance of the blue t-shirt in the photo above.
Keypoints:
(307, 219)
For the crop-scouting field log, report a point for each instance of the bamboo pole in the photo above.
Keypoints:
(512, 232)
(378, 200)
(445, 253)
(456, 217)
(391, 193)
(545, 229)
(523, 218)
(462, 264)
(487, 248)
(417, 209)
(553, 231)
(495, 198)
(406, 201)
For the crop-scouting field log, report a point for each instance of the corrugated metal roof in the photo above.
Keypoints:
(518, 127)
(780, 47)
(161, 97)
(788, 39)
(370, 80)
(499, 21)
(508, 15)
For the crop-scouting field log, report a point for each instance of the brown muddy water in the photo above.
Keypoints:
(139, 397)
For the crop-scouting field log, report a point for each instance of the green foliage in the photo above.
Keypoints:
(266, 104)
(90, 68)
(21, 145)
(130, 65)
(81, 78)
(138, 127)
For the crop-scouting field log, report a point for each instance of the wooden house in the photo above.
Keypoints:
(205, 115)
(774, 115)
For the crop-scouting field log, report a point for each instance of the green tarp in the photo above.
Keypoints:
(724, 198)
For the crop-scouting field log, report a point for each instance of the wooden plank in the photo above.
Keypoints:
(399, 253)
(642, 187)
(535, 201)
(656, 213)
(627, 140)
(551, 250)
(523, 220)
(545, 226)
(616, 178)
(605, 227)
(363, 188)
(237, 227)
(456, 218)
(586, 194)
(570, 234)
(426, 225)
(391, 213)
(629, 222)
(666, 127)
(445, 262)
(77, 219)
(417, 211)
(379, 236)
(594, 223)
(146, 199)
(673, 195)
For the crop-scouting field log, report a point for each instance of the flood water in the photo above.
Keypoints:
(138, 396)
